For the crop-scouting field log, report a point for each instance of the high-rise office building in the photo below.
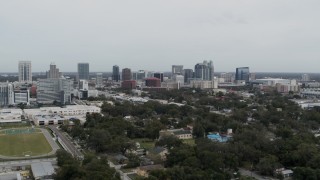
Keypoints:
(140, 75)
(305, 77)
(177, 69)
(188, 74)
(99, 80)
(6, 94)
(204, 71)
(54, 72)
(158, 75)
(25, 71)
(50, 90)
(83, 71)
(153, 82)
(116, 73)
(228, 77)
(243, 74)
(126, 74)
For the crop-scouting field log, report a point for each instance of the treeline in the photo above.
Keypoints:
(90, 168)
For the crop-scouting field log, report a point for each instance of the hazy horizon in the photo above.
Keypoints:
(267, 36)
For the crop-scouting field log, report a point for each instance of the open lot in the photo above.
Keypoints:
(23, 144)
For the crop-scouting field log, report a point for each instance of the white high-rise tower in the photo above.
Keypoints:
(25, 71)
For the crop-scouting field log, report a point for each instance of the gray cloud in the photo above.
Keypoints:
(268, 35)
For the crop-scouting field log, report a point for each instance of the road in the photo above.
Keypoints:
(70, 147)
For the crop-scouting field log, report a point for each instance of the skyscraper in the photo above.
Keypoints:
(126, 74)
(158, 75)
(83, 71)
(305, 77)
(188, 74)
(243, 74)
(25, 71)
(99, 80)
(177, 69)
(115, 73)
(204, 71)
(54, 72)
(6, 94)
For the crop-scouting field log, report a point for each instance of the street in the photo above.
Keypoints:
(67, 143)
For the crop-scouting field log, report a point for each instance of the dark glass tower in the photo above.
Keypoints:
(116, 73)
(242, 74)
(83, 71)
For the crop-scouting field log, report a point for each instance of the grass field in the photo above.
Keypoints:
(145, 143)
(24, 144)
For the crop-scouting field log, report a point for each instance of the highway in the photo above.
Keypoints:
(66, 143)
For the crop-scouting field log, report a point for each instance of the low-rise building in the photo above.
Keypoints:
(204, 84)
(57, 115)
(10, 115)
(179, 133)
(42, 170)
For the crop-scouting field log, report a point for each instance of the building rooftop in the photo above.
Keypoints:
(42, 169)
(10, 176)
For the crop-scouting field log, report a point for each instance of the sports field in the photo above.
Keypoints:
(24, 143)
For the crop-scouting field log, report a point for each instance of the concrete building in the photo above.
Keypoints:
(179, 133)
(126, 74)
(54, 72)
(131, 84)
(6, 94)
(42, 170)
(99, 80)
(57, 115)
(116, 73)
(21, 96)
(203, 84)
(10, 115)
(178, 78)
(169, 85)
(50, 90)
(243, 74)
(83, 71)
(83, 85)
(305, 77)
(177, 69)
(140, 75)
(228, 77)
(153, 82)
(286, 88)
(25, 71)
(204, 71)
(10, 176)
(274, 81)
(281, 85)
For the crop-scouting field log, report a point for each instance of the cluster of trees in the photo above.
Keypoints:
(206, 160)
(90, 168)
(278, 134)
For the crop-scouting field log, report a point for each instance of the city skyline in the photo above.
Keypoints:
(267, 36)
(167, 70)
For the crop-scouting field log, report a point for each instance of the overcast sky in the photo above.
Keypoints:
(266, 35)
